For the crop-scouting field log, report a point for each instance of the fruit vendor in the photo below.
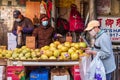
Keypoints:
(22, 25)
(45, 33)
(103, 46)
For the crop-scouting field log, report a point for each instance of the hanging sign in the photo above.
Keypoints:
(112, 26)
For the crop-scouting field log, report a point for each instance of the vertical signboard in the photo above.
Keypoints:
(112, 26)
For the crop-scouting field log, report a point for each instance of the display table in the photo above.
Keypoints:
(47, 63)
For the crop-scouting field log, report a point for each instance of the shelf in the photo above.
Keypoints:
(47, 63)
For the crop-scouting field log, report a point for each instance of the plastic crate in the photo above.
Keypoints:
(39, 74)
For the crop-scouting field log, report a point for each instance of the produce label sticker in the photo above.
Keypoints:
(111, 25)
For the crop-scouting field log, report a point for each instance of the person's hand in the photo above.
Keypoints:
(90, 51)
(19, 29)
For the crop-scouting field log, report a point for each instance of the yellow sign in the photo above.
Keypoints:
(64, 3)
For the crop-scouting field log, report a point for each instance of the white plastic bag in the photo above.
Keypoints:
(84, 63)
(96, 70)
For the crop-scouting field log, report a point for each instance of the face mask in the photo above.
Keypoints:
(93, 33)
(18, 20)
(45, 23)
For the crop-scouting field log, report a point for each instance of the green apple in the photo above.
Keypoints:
(56, 53)
(74, 56)
(43, 56)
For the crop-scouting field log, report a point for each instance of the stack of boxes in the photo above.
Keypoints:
(75, 71)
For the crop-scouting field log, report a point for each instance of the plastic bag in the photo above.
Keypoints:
(96, 70)
(85, 62)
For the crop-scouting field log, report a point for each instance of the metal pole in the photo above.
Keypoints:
(92, 10)
(53, 13)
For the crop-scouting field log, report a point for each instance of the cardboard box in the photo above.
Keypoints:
(15, 73)
(30, 42)
(75, 71)
(2, 72)
(60, 74)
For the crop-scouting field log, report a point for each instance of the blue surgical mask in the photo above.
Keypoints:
(45, 23)
(18, 19)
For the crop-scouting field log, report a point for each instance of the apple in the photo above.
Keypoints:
(8, 55)
(52, 45)
(48, 53)
(46, 47)
(56, 53)
(56, 43)
(43, 56)
(79, 51)
(70, 51)
(76, 45)
(23, 58)
(21, 55)
(64, 49)
(27, 55)
(52, 57)
(65, 55)
(67, 44)
(52, 48)
(59, 46)
(74, 56)
(82, 44)
(72, 44)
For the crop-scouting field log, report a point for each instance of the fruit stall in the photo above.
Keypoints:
(57, 56)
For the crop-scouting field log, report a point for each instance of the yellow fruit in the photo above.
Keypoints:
(77, 46)
(56, 43)
(59, 46)
(74, 56)
(67, 44)
(43, 56)
(79, 51)
(56, 53)
(64, 49)
(48, 53)
(52, 57)
(70, 51)
(82, 44)
(65, 55)
(53, 45)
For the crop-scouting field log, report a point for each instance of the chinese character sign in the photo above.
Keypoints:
(111, 25)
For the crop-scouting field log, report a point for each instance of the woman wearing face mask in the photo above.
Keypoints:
(102, 46)
(22, 25)
(45, 33)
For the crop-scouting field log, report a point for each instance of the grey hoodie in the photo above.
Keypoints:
(106, 53)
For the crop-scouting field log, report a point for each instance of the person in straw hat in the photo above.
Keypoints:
(103, 46)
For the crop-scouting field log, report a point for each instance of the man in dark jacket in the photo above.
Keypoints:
(22, 25)
(45, 33)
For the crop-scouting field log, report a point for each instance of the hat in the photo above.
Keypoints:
(16, 13)
(92, 24)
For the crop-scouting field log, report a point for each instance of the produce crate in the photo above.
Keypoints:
(39, 74)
